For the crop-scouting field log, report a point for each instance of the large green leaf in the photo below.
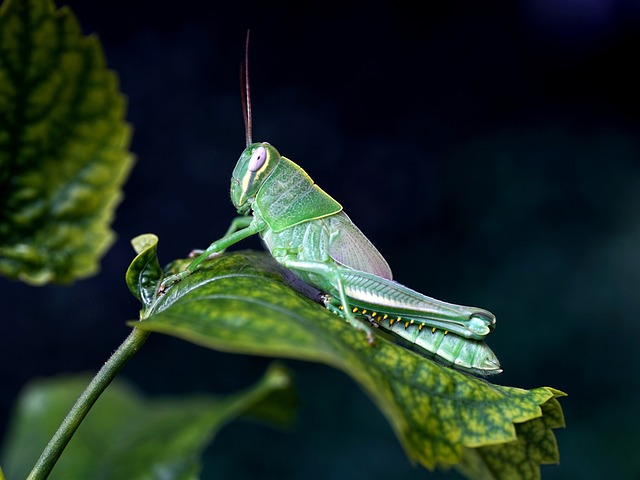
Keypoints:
(127, 436)
(244, 303)
(63, 145)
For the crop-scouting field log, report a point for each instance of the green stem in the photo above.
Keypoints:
(85, 401)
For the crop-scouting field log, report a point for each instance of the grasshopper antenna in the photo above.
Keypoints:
(245, 93)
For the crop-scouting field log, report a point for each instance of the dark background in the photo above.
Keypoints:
(489, 149)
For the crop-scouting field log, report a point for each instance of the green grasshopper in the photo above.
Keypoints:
(307, 231)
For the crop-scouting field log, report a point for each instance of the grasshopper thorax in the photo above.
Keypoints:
(254, 166)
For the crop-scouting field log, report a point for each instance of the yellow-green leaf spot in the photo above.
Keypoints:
(63, 145)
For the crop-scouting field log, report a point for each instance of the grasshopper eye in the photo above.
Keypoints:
(257, 159)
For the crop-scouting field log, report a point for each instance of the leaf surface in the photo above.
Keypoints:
(63, 145)
(244, 303)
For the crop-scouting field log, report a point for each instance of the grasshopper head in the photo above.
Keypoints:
(254, 166)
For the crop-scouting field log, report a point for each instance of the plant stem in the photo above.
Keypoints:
(85, 401)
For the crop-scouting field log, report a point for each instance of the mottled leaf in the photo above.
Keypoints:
(244, 303)
(127, 435)
(535, 445)
(63, 145)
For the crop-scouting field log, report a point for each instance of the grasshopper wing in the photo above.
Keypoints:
(351, 248)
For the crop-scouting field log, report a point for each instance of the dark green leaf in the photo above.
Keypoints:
(63, 145)
(127, 436)
(242, 303)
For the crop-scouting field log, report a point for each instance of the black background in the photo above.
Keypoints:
(489, 150)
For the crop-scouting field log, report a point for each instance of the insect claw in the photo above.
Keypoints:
(162, 288)
(166, 284)
(371, 338)
(172, 280)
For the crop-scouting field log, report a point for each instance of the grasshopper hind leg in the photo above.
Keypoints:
(365, 324)
(332, 275)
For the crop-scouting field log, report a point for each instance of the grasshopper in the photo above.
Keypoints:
(307, 231)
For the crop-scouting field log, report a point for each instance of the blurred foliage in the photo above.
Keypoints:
(63, 145)
(129, 436)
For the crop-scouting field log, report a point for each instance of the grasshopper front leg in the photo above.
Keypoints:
(241, 228)
(332, 274)
(237, 223)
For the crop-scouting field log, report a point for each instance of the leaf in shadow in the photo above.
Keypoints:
(131, 437)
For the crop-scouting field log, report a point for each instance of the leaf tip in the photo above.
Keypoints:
(143, 242)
